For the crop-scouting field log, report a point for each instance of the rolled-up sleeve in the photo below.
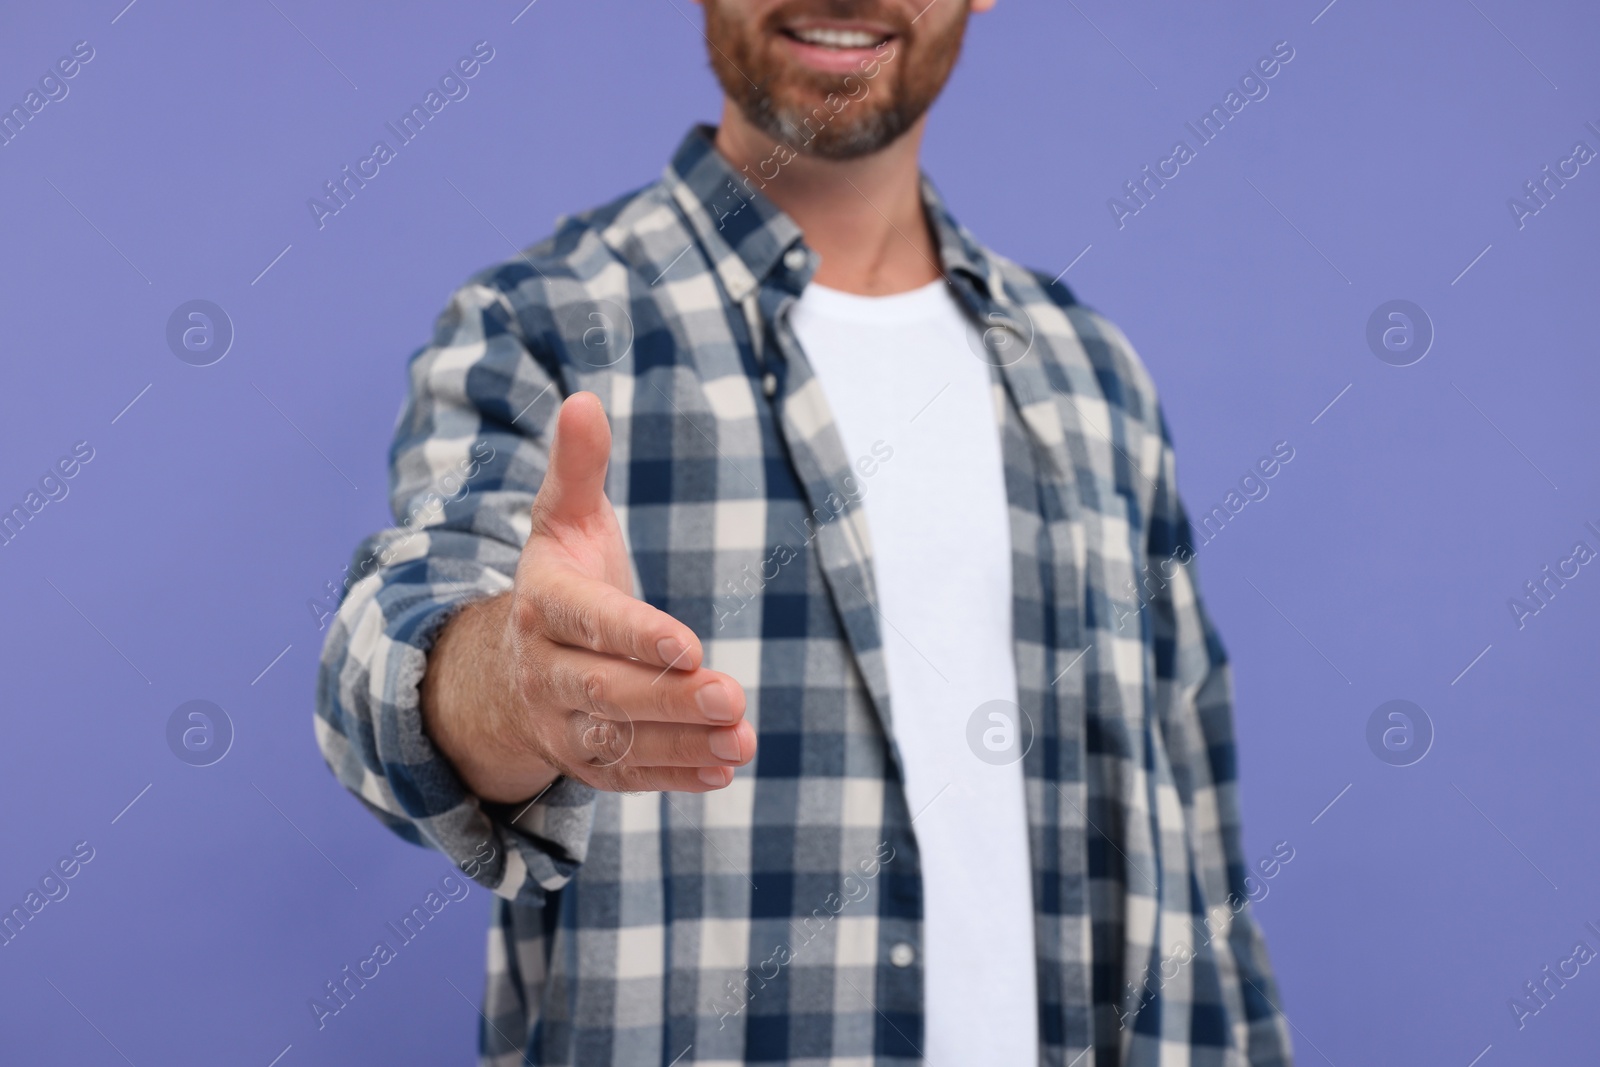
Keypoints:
(469, 453)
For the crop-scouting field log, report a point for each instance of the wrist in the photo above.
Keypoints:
(470, 704)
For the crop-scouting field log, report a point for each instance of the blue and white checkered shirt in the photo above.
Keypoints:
(778, 920)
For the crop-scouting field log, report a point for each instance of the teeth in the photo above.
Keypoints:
(827, 38)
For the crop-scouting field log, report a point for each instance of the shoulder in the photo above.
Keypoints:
(584, 248)
(592, 271)
(1081, 339)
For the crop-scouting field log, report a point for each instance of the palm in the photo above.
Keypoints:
(616, 694)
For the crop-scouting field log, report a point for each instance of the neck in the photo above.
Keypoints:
(862, 216)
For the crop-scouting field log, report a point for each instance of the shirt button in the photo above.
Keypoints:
(769, 384)
(795, 259)
(902, 954)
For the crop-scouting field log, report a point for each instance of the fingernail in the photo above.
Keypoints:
(713, 776)
(714, 703)
(725, 745)
(669, 649)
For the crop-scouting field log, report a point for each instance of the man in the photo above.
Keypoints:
(823, 681)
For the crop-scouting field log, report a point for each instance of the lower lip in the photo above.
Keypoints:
(833, 60)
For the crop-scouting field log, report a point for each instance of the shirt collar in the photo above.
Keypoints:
(746, 236)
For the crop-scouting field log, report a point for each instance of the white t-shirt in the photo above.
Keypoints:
(902, 369)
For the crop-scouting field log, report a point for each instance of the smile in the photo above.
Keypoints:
(835, 39)
(835, 47)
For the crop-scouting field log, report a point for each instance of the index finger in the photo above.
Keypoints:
(592, 614)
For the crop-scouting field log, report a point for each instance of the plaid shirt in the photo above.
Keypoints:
(757, 923)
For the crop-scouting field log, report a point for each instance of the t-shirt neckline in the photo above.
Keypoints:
(923, 302)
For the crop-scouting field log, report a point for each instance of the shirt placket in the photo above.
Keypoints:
(1051, 634)
(817, 452)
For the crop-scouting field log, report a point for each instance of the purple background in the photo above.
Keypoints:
(1378, 568)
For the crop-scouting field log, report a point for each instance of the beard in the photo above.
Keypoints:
(821, 113)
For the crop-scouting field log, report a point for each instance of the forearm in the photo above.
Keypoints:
(467, 692)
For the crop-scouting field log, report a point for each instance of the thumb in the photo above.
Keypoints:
(574, 487)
